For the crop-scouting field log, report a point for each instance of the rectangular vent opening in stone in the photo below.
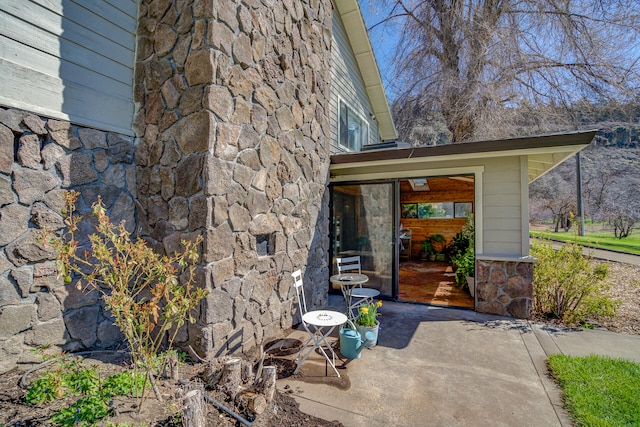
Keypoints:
(264, 244)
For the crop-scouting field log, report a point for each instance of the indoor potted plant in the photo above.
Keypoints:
(465, 257)
(439, 244)
(428, 251)
(367, 321)
(466, 269)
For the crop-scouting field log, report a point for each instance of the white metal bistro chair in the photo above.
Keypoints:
(323, 322)
(358, 294)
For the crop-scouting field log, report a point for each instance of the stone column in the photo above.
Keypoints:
(232, 125)
(505, 287)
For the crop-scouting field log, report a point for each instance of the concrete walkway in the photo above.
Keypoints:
(606, 255)
(446, 367)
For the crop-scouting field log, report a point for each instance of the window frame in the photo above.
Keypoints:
(365, 128)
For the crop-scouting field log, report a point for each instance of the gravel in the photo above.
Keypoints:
(625, 286)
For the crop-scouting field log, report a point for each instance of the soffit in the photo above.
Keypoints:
(543, 153)
(351, 16)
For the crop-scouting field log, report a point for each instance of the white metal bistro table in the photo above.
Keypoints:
(323, 322)
(347, 282)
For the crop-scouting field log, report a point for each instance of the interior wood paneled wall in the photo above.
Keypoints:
(440, 190)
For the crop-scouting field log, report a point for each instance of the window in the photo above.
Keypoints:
(353, 130)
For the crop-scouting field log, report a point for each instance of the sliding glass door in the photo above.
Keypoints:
(363, 224)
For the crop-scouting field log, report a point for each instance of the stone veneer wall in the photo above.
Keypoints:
(505, 288)
(39, 158)
(232, 122)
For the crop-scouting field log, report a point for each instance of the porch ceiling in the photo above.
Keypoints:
(543, 153)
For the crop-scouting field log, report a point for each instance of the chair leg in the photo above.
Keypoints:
(318, 338)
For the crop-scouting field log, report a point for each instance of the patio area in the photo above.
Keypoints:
(442, 366)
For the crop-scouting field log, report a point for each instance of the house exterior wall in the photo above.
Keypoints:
(348, 86)
(502, 207)
(70, 59)
(39, 159)
(233, 143)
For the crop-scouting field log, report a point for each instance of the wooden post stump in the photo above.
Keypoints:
(174, 364)
(269, 376)
(253, 401)
(194, 408)
(232, 375)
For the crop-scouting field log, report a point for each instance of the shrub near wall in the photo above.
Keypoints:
(39, 158)
(567, 286)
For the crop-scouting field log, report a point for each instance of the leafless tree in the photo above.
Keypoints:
(552, 194)
(476, 62)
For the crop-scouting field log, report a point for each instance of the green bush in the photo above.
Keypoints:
(567, 286)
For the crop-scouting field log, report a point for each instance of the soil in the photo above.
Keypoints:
(283, 411)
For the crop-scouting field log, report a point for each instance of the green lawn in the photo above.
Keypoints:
(599, 391)
(600, 239)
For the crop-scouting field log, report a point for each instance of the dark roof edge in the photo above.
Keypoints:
(541, 141)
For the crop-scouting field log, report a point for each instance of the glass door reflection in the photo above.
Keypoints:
(363, 224)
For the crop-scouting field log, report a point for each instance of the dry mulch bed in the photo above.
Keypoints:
(283, 411)
(625, 286)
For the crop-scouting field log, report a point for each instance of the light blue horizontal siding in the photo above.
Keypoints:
(347, 84)
(502, 209)
(70, 59)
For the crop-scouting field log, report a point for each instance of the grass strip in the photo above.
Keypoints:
(629, 244)
(599, 391)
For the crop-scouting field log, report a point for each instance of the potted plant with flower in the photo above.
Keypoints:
(367, 322)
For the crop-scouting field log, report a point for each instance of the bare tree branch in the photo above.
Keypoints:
(466, 60)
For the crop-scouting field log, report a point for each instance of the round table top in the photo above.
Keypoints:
(324, 318)
(349, 278)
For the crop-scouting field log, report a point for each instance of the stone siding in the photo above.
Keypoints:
(39, 158)
(505, 288)
(232, 127)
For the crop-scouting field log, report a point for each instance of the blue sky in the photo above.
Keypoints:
(384, 38)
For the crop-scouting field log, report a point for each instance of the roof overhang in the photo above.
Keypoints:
(543, 154)
(351, 16)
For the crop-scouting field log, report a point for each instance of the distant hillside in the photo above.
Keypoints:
(610, 176)
(617, 135)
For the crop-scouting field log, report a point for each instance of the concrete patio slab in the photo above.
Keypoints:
(447, 367)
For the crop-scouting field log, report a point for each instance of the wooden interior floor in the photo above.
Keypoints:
(431, 282)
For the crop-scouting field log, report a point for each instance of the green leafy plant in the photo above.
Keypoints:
(368, 313)
(466, 262)
(64, 378)
(567, 286)
(149, 295)
(463, 254)
(428, 248)
(85, 412)
(69, 377)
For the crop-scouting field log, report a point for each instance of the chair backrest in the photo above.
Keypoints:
(349, 264)
(298, 284)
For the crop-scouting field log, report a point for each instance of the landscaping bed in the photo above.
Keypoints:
(15, 412)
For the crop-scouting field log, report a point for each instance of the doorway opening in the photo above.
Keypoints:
(433, 213)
